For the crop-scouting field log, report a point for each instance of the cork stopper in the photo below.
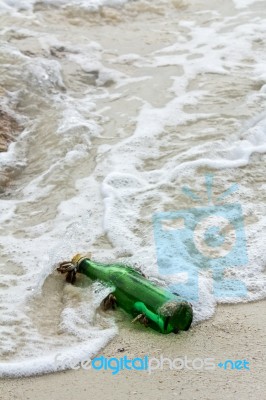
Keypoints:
(79, 257)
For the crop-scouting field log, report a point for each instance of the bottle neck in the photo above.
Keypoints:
(94, 270)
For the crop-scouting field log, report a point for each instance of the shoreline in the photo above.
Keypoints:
(235, 332)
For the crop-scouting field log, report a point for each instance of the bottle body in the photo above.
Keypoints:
(164, 311)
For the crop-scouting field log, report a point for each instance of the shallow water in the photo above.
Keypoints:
(123, 105)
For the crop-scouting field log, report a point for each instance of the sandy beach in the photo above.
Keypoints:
(124, 108)
(236, 332)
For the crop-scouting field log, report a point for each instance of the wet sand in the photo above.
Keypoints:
(9, 130)
(236, 332)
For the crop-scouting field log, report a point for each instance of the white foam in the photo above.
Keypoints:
(91, 5)
(245, 3)
(56, 361)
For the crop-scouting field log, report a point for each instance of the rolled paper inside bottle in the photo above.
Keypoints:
(165, 311)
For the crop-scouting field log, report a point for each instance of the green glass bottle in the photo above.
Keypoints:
(150, 304)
